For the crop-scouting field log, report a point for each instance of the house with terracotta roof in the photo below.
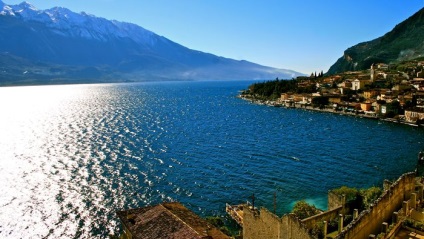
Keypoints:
(166, 220)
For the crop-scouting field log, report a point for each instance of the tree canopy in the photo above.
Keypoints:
(273, 89)
(359, 198)
(303, 210)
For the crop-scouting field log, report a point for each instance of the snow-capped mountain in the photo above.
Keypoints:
(83, 25)
(73, 42)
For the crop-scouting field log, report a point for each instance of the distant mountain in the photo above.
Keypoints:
(59, 46)
(404, 42)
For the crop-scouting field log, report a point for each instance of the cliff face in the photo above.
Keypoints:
(404, 42)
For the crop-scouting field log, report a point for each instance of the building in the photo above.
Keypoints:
(415, 115)
(420, 74)
(372, 73)
(345, 84)
(368, 94)
(166, 220)
(382, 66)
(334, 99)
(399, 200)
(418, 83)
(388, 96)
(366, 106)
(401, 87)
(358, 84)
(285, 96)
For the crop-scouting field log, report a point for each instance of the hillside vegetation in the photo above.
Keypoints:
(404, 42)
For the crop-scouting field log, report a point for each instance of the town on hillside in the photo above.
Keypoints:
(389, 92)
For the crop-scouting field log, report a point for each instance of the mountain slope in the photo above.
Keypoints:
(404, 42)
(59, 38)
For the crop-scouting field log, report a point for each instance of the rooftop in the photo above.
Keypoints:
(167, 220)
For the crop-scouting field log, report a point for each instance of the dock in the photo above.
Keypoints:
(236, 212)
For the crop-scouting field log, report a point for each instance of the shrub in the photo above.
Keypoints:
(304, 210)
(370, 195)
(353, 197)
(359, 199)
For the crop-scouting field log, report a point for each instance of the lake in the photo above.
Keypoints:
(72, 155)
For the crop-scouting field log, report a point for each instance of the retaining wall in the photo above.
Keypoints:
(267, 225)
(370, 221)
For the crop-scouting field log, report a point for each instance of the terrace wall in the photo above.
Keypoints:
(267, 225)
(370, 221)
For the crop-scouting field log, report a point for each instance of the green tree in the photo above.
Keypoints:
(303, 210)
(320, 101)
(359, 199)
(353, 196)
(370, 195)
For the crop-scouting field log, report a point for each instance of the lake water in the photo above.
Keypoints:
(71, 156)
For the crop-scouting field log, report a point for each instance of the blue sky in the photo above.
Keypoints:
(304, 35)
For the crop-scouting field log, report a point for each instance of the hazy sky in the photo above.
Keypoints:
(301, 35)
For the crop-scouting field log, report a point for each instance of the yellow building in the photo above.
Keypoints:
(368, 94)
(366, 106)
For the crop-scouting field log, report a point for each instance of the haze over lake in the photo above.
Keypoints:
(72, 155)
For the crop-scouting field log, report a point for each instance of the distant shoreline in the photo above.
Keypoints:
(273, 103)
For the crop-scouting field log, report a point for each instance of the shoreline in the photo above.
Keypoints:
(272, 103)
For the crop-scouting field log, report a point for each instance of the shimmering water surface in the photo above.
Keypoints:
(71, 156)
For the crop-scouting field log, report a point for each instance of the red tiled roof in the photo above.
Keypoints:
(167, 220)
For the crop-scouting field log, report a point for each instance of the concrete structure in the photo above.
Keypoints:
(414, 115)
(382, 66)
(366, 106)
(417, 83)
(373, 73)
(167, 220)
(334, 99)
(420, 74)
(358, 84)
(236, 212)
(286, 96)
(368, 94)
(370, 221)
(345, 84)
(384, 109)
(264, 224)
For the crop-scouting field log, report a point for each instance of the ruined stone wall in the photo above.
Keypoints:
(268, 225)
(294, 229)
(263, 225)
(334, 201)
(370, 221)
(310, 222)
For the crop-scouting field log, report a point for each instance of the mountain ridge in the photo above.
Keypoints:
(60, 38)
(404, 42)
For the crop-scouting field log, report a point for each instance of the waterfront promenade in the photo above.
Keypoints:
(327, 109)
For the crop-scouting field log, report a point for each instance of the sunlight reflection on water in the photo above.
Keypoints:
(71, 156)
(46, 144)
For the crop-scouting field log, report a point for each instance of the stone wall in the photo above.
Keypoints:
(267, 225)
(417, 215)
(294, 229)
(370, 221)
(334, 201)
(260, 225)
(310, 222)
